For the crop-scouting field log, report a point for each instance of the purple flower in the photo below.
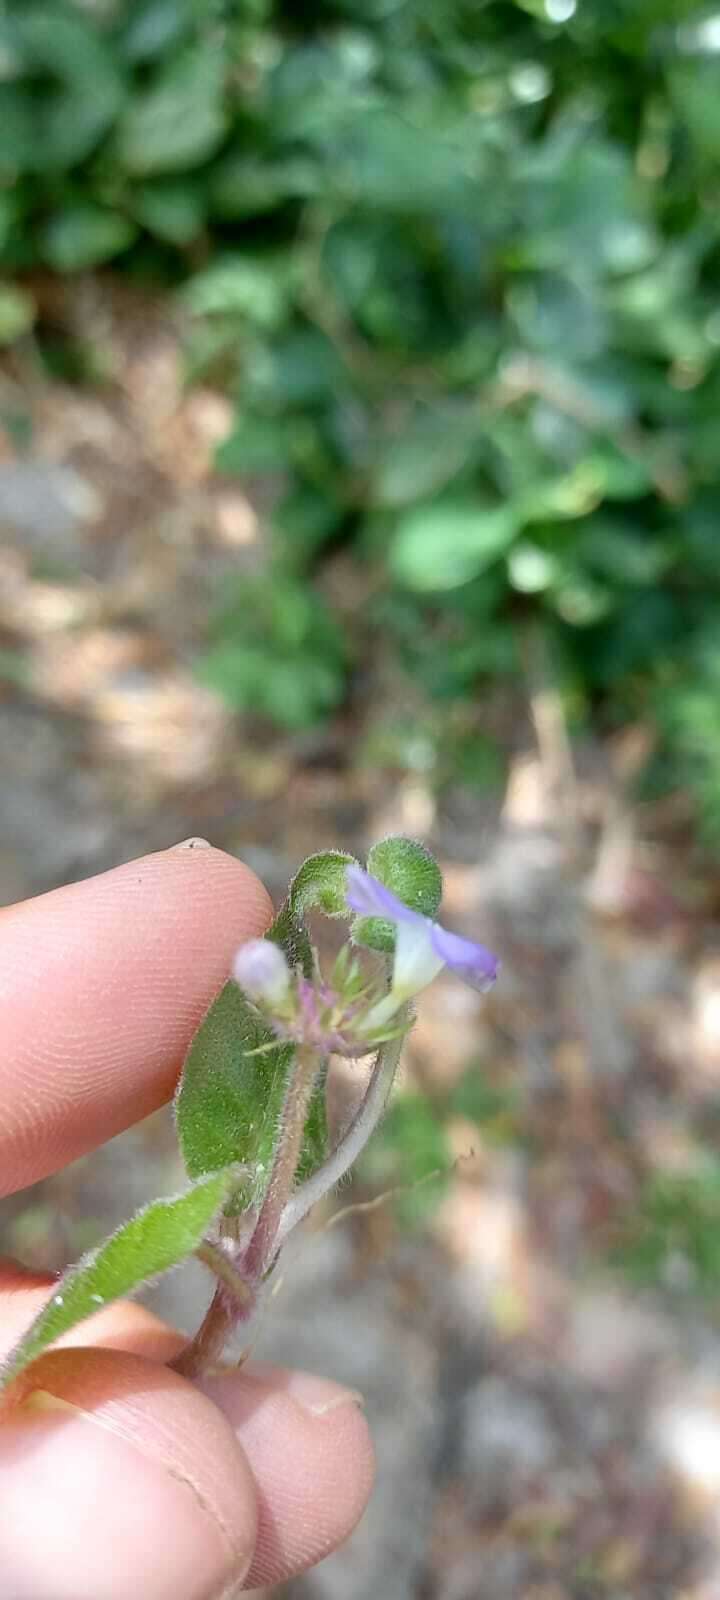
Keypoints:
(350, 1016)
(422, 947)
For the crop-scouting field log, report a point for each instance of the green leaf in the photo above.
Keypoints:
(231, 1089)
(256, 445)
(567, 495)
(420, 461)
(299, 369)
(82, 92)
(279, 651)
(231, 1092)
(244, 286)
(694, 90)
(172, 210)
(374, 159)
(83, 235)
(17, 312)
(406, 867)
(622, 554)
(302, 522)
(446, 543)
(180, 120)
(153, 25)
(294, 691)
(320, 883)
(290, 935)
(247, 185)
(159, 1237)
(18, 129)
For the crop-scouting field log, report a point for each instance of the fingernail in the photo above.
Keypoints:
(317, 1396)
(195, 843)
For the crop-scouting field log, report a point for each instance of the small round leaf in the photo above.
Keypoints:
(406, 867)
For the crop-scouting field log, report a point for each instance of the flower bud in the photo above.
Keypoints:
(262, 972)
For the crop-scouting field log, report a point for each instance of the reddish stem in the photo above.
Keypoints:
(207, 1345)
(250, 1261)
(259, 1253)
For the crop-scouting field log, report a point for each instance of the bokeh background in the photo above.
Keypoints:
(359, 444)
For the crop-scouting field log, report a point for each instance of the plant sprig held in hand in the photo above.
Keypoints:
(250, 1105)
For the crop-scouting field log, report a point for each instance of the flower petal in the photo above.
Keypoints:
(369, 897)
(262, 971)
(416, 961)
(472, 962)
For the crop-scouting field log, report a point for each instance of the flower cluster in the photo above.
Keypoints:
(351, 1015)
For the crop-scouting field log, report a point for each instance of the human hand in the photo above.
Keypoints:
(117, 1477)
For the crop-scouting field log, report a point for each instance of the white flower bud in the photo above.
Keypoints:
(262, 971)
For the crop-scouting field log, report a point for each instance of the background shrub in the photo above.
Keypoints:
(458, 263)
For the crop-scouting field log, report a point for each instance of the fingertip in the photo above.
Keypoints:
(103, 984)
(211, 864)
(310, 1451)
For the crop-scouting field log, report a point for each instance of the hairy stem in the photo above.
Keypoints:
(264, 1242)
(240, 1267)
(207, 1345)
(348, 1148)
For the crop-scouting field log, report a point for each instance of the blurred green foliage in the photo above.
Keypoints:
(672, 1237)
(411, 1153)
(458, 262)
(276, 649)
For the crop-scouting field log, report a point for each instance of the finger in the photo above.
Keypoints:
(304, 1438)
(312, 1460)
(119, 1478)
(102, 985)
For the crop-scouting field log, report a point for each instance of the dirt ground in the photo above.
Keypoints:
(545, 1429)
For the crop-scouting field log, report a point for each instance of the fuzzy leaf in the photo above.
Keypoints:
(231, 1092)
(320, 882)
(231, 1088)
(290, 935)
(406, 867)
(159, 1237)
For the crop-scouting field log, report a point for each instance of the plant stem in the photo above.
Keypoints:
(349, 1146)
(243, 1267)
(207, 1345)
(264, 1242)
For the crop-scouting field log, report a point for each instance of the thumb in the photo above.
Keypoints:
(118, 1478)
